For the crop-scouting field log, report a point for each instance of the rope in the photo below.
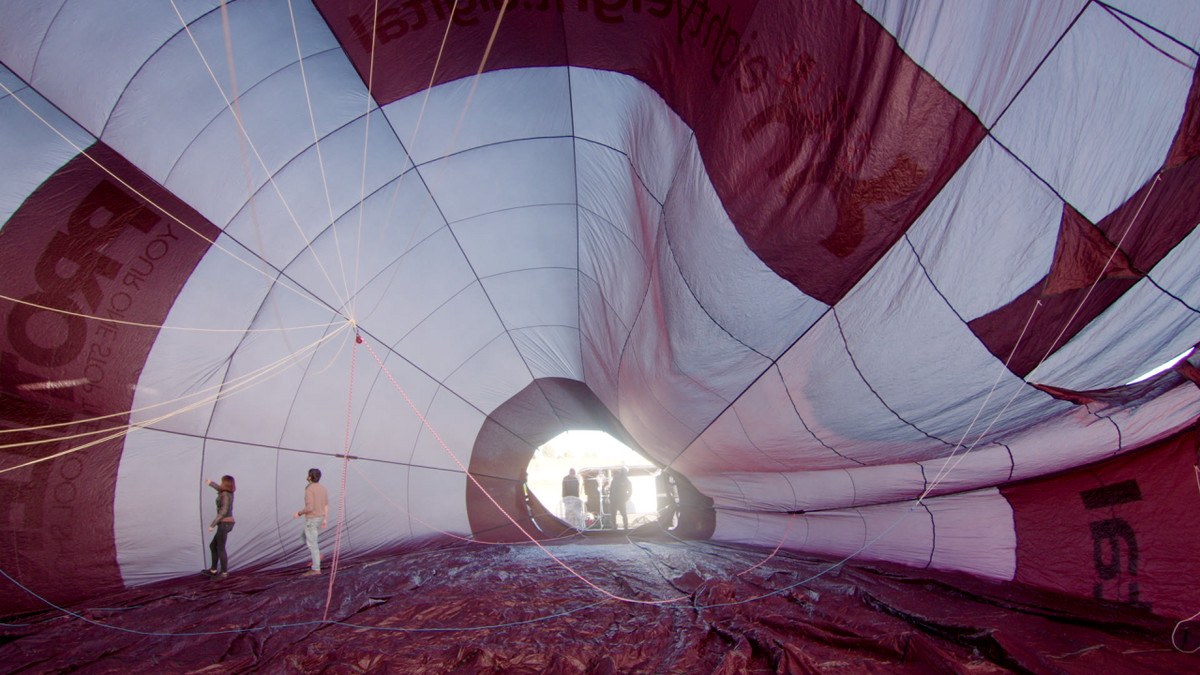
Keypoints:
(224, 391)
(232, 107)
(1175, 631)
(337, 539)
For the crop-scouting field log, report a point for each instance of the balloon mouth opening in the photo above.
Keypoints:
(500, 506)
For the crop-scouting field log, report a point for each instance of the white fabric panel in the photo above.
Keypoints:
(657, 401)
(24, 30)
(974, 533)
(1002, 217)
(1165, 415)
(765, 491)
(517, 173)
(491, 376)
(838, 407)
(624, 114)
(450, 336)
(610, 258)
(498, 106)
(894, 316)
(743, 296)
(729, 432)
(1178, 18)
(430, 493)
(1142, 330)
(376, 507)
(983, 465)
(339, 260)
(90, 51)
(901, 533)
(1081, 437)
(959, 42)
(188, 361)
(550, 351)
(1177, 271)
(149, 504)
(295, 207)
(259, 411)
(392, 398)
(520, 238)
(434, 265)
(699, 348)
(858, 485)
(1101, 82)
(32, 150)
(693, 374)
(602, 340)
(971, 533)
(535, 297)
(324, 393)
(879, 484)
(172, 103)
(216, 172)
(609, 192)
(540, 309)
(765, 417)
(369, 250)
(708, 456)
(455, 423)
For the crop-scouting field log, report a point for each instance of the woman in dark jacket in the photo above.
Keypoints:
(223, 523)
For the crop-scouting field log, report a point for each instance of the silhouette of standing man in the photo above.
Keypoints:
(316, 512)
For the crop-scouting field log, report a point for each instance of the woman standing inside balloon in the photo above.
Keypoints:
(223, 523)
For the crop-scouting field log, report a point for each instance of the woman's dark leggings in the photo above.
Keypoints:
(218, 546)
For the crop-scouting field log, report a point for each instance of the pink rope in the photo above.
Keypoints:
(337, 539)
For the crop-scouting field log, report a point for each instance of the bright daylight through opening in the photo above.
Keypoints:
(596, 458)
(1169, 364)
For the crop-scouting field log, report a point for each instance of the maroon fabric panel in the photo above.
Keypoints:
(1125, 395)
(1189, 371)
(827, 142)
(85, 244)
(1082, 255)
(1120, 531)
(1147, 226)
(406, 37)
(707, 608)
(1001, 330)
(1186, 145)
(822, 138)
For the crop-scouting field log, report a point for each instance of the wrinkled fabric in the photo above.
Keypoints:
(514, 609)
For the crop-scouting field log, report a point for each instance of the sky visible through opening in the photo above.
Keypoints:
(581, 449)
(1168, 364)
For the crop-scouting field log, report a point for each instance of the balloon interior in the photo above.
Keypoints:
(873, 285)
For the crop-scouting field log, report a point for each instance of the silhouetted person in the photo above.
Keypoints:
(572, 505)
(668, 498)
(570, 484)
(619, 493)
(591, 489)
